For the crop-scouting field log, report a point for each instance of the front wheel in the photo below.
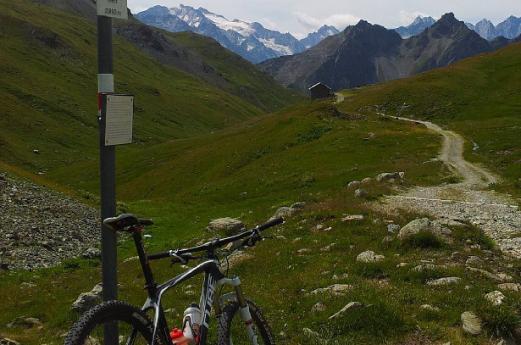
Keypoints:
(233, 330)
(133, 326)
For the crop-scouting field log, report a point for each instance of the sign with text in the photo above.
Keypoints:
(118, 119)
(113, 8)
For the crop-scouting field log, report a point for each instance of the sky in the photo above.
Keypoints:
(303, 16)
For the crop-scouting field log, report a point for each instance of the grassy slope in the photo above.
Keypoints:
(246, 81)
(307, 153)
(479, 97)
(48, 66)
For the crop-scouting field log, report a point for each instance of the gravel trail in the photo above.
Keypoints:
(469, 201)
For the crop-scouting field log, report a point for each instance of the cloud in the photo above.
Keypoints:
(340, 21)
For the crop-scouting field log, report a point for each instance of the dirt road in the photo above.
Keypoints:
(469, 201)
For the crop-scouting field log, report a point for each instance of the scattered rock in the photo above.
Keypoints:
(367, 180)
(310, 333)
(353, 184)
(328, 247)
(298, 205)
(471, 323)
(390, 176)
(335, 290)
(499, 277)
(474, 261)
(361, 193)
(40, 228)
(495, 297)
(303, 251)
(87, 300)
(285, 212)
(318, 307)
(7, 341)
(423, 225)
(343, 276)
(227, 225)
(92, 253)
(516, 287)
(25, 322)
(393, 228)
(369, 257)
(424, 267)
(349, 306)
(236, 258)
(444, 281)
(429, 307)
(353, 218)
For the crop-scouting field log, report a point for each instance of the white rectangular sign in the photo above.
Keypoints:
(113, 8)
(118, 120)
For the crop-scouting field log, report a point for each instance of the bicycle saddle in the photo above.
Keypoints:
(125, 221)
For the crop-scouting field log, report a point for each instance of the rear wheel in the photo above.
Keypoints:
(233, 331)
(131, 323)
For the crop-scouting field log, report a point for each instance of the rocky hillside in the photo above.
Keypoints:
(367, 54)
(40, 228)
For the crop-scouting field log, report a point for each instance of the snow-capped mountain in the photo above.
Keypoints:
(250, 40)
(316, 37)
(417, 27)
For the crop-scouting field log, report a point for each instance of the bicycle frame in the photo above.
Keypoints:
(210, 297)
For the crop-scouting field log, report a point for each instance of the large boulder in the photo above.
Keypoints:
(87, 300)
(226, 225)
(423, 225)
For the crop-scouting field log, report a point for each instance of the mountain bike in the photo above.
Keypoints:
(239, 320)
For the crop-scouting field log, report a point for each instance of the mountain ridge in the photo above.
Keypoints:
(252, 41)
(351, 59)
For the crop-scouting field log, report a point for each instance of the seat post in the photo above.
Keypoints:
(151, 285)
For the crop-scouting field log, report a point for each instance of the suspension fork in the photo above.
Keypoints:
(244, 309)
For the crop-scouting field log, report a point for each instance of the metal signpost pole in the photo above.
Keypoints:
(107, 173)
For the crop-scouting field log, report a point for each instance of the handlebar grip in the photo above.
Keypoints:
(158, 256)
(271, 223)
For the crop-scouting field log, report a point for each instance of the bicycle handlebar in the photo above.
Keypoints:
(186, 253)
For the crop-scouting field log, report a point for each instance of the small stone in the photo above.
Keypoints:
(361, 193)
(303, 251)
(349, 306)
(393, 228)
(367, 180)
(335, 290)
(516, 287)
(389, 176)
(92, 253)
(353, 184)
(495, 297)
(285, 212)
(444, 281)
(369, 257)
(353, 218)
(310, 333)
(429, 307)
(7, 341)
(471, 323)
(87, 300)
(474, 261)
(298, 205)
(318, 307)
(227, 225)
(402, 264)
